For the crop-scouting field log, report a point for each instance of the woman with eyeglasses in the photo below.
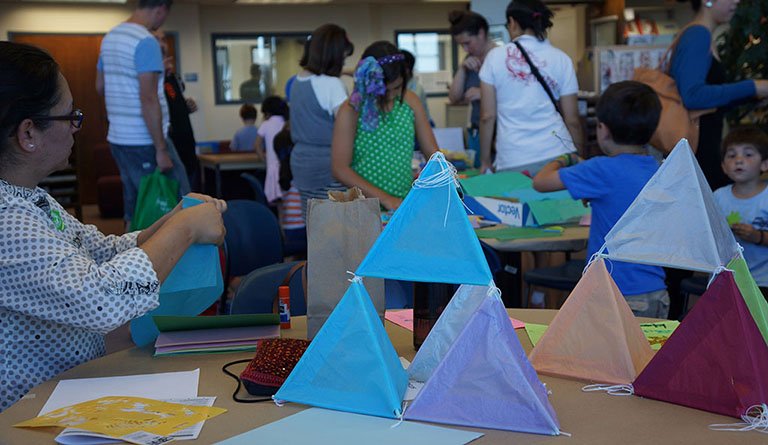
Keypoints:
(64, 284)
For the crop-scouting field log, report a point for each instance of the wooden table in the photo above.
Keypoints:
(219, 162)
(573, 239)
(592, 418)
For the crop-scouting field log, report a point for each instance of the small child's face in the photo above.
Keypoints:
(742, 163)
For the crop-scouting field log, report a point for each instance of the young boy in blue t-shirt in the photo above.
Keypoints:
(744, 156)
(627, 113)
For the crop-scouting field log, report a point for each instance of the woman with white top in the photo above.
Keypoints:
(316, 95)
(530, 129)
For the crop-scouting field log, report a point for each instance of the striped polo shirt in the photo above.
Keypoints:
(127, 51)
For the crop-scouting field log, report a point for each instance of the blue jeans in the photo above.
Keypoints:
(137, 161)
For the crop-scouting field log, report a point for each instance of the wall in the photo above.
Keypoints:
(194, 24)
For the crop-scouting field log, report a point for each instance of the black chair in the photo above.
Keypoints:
(695, 285)
(563, 277)
(258, 189)
(257, 291)
(253, 240)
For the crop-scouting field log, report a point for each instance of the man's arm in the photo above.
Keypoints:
(153, 117)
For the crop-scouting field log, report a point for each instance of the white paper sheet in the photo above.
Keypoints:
(451, 138)
(317, 425)
(166, 385)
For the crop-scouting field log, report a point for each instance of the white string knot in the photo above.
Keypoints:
(277, 401)
(446, 176)
(355, 278)
(597, 255)
(400, 415)
(614, 390)
(493, 291)
(754, 419)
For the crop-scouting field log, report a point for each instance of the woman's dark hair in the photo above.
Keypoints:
(467, 21)
(531, 14)
(29, 86)
(392, 69)
(410, 60)
(746, 135)
(630, 110)
(248, 111)
(275, 106)
(326, 50)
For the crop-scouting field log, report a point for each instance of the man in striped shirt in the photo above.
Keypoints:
(130, 77)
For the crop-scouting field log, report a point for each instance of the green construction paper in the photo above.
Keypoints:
(167, 323)
(535, 331)
(469, 173)
(658, 333)
(733, 218)
(510, 233)
(756, 303)
(496, 184)
(213, 350)
(557, 211)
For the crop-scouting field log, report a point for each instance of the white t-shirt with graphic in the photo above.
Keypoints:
(528, 128)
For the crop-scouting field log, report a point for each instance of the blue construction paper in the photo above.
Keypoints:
(429, 238)
(475, 208)
(322, 426)
(193, 285)
(485, 380)
(351, 364)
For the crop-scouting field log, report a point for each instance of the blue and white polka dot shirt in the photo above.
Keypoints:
(63, 285)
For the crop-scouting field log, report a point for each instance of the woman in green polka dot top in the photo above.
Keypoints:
(375, 130)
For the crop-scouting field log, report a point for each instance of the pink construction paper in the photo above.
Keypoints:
(404, 318)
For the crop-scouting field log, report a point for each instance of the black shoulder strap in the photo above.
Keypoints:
(535, 72)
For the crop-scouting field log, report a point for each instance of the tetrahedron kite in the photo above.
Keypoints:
(351, 364)
(674, 221)
(716, 360)
(485, 380)
(444, 333)
(429, 238)
(756, 303)
(594, 337)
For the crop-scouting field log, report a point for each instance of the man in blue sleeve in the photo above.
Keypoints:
(627, 114)
(130, 77)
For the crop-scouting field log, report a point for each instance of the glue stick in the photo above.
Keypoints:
(284, 306)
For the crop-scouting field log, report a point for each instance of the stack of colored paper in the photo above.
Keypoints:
(223, 333)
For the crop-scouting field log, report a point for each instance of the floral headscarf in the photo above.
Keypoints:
(369, 86)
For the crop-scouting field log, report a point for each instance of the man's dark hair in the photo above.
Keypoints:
(275, 106)
(631, 111)
(144, 4)
(467, 21)
(747, 135)
(326, 50)
(29, 86)
(248, 111)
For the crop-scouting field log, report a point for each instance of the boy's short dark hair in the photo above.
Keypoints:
(747, 135)
(630, 110)
(248, 111)
(275, 106)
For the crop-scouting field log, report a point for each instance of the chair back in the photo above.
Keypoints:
(258, 189)
(257, 291)
(253, 237)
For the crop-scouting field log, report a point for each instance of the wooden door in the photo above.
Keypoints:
(77, 55)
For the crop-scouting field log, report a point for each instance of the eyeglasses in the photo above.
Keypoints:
(75, 118)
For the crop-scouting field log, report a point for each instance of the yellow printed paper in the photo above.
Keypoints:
(658, 333)
(535, 331)
(118, 416)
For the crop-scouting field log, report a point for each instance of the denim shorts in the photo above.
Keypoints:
(651, 304)
(137, 161)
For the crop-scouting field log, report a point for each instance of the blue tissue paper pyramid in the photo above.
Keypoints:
(429, 238)
(351, 364)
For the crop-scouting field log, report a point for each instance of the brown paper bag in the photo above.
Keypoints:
(340, 231)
